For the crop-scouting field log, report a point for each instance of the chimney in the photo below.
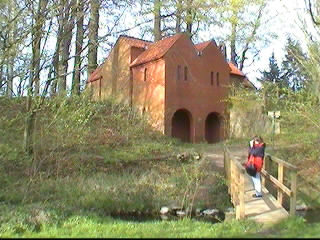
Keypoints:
(223, 50)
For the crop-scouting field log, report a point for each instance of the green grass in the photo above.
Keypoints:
(93, 226)
(91, 164)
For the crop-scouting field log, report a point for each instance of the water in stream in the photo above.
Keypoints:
(311, 216)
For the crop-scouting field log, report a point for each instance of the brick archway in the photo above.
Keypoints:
(181, 125)
(213, 128)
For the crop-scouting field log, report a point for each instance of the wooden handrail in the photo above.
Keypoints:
(235, 173)
(280, 161)
(278, 182)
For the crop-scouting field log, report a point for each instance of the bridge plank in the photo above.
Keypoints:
(264, 210)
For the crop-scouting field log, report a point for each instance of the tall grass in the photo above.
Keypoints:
(93, 158)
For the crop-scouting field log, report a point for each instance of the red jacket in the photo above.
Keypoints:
(256, 155)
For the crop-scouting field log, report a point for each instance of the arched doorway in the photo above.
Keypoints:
(181, 125)
(212, 128)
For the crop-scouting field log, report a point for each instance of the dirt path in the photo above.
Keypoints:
(213, 162)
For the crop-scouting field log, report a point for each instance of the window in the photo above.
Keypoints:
(145, 74)
(212, 78)
(185, 73)
(218, 79)
(178, 72)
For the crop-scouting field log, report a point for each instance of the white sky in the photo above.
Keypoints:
(284, 21)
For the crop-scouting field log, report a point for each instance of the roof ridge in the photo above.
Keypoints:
(152, 48)
(127, 36)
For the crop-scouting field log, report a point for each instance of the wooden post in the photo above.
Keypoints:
(241, 196)
(225, 164)
(293, 197)
(231, 182)
(266, 164)
(280, 179)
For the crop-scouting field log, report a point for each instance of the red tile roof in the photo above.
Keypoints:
(136, 42)
(95, 75)
(235, 70)
(203, 45)
(156, 50)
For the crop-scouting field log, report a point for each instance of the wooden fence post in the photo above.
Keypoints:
(266, 164)
(241, 195)
(280, 179)
(293, 197)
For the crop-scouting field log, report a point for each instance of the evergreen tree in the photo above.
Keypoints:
(274, 74)
(293, 70)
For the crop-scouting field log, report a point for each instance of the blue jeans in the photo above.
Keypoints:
(257, 184)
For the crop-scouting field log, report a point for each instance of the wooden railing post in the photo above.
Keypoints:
(293, 197)
(266, 164)
(231, 181)
(280, 179)
(241, 195)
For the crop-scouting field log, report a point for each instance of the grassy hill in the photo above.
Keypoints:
(93, 161)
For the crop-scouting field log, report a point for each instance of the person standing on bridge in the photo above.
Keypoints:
(256, 156)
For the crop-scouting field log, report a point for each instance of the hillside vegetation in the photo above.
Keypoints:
(93, 158)
(96, 161)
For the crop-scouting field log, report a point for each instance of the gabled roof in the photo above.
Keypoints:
(95, 75)
(136, 42)
(156, 50)
(201, 46)
(235, 70)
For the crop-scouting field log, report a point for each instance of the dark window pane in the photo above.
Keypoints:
(211, 78)
(145, 74)
(218, 79)
(186, 73)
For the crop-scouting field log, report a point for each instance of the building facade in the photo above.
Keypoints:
(180, 85)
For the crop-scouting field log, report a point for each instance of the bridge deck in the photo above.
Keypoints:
(263, 210)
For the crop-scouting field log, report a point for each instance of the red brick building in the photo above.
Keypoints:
(181, 86)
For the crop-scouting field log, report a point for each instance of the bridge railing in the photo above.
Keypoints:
(235, 175)
(278, 182)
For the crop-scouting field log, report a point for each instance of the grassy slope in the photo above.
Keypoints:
(83, 178)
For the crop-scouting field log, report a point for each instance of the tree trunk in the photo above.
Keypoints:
(189, 19)
(10, 75)
(68, 24)
(9, 56)
(55, 59)
(93, 36)
(79, 43)
(178, 16)
(157, 21)
(34, 76)
(233, 53)
(1, 77)
(36, 44)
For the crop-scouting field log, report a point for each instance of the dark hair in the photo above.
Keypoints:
(258, 138)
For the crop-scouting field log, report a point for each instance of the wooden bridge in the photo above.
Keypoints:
(268, 209)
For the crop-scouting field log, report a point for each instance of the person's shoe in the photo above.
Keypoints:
(256, 196)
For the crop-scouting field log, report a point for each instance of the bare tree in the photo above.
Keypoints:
(79, 47)
(93, 36)
(38, 22)
(157, 20)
